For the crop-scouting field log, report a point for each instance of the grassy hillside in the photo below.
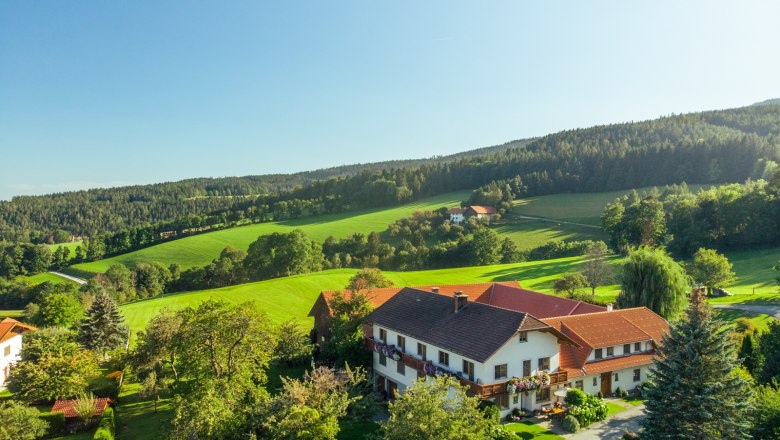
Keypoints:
(201, 249)
(292, 297)
(46, 276)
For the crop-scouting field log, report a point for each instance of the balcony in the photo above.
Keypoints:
(482, 390)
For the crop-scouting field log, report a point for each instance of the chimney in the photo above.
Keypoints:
(609, 307)
(435, 289)
(461, 300)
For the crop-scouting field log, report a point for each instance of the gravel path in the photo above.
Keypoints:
(753, 308)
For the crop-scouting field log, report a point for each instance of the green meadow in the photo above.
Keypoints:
(200, 249)
(47, 277)
(292, 297)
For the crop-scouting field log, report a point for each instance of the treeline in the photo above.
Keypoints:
(711, 147)
(726, 217)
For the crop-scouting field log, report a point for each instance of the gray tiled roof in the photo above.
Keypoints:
(476, 331)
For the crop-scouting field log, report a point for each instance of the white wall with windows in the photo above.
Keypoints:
(9, 354)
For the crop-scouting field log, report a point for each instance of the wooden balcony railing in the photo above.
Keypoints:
(483, 390)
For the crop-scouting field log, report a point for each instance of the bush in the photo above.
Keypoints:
(490, 410)
(576, 396)
(600, 395)
(500, 433)
(570, 424)
(107, 427)
(592, 410)
(618, 392)
(55, 422)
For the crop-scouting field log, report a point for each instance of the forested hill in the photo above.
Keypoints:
(708, 147)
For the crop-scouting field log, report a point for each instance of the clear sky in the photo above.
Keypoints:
(98, 93)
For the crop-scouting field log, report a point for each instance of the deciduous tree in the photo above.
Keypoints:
(652, 279)
(20, 422)
(596, 268)
(570, 284)
(711, 269)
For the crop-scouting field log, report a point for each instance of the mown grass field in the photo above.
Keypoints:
(292, 297)
(199, 250)
(46, 276)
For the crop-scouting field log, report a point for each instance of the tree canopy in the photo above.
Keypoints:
(652, 279)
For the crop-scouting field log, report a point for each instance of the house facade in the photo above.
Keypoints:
(456, 215)
(11, 332)
(481, 212)
(507, 356)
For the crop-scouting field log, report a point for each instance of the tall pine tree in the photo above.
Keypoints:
(695, 392)
(102, 329)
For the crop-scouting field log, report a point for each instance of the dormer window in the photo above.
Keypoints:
(598, 354)
(522, 336)
(610, 351)
(637, 346)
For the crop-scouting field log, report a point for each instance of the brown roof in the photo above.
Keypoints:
(483, 209)
(68, 407)
(504, 294)
(601, 329)
(456, 211)
(10, 328)
(476, 331)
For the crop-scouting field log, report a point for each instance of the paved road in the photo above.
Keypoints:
(72, 278)
(753, 308)
(612, 428)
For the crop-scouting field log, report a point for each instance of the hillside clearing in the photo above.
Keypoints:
(200, 249)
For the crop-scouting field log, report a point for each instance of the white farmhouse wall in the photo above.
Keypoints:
(15, 345)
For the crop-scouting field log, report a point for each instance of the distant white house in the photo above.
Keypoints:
(11, 332)
(459, 215)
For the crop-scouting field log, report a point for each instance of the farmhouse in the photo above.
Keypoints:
(459, 215)
(508, 295)
(11, 332)
(510, 357)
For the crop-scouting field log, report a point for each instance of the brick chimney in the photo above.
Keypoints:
(461, 299)
(435, 289)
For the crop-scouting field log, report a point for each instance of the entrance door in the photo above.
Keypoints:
(380, 384)
(392, 389)
(606, 384)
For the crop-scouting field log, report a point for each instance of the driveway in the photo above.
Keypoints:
(753, 308)
(612, 428)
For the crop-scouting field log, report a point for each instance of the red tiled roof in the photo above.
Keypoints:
(68, 407)
(619, 363)
(456, 211)
(534, 303)
(483, 209)
(10, 328)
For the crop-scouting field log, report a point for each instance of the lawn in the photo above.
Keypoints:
(11, 313)
(136, 418)
(200, 249)
(730, 315)
(528, 234)
(292, 297)
(614, 408)
(46, 276)
(633, 400)
(528, 430)
(756, 280)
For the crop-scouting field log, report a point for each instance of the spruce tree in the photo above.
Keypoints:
(102, 329)
(695, 393)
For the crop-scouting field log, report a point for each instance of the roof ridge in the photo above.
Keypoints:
(583, 315)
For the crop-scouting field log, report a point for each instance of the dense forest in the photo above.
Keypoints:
(709, 147)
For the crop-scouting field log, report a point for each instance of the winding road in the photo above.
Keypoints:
(771, 310)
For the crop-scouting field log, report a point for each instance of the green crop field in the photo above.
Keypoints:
(292, 297)
(199, 250)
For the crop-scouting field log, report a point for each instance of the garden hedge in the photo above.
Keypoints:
(107, 427)
(55, 424)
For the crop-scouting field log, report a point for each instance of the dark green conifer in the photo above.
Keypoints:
(695, 392)
(102, 328)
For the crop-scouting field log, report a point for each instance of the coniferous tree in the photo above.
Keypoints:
(696, 393)
(102, 329)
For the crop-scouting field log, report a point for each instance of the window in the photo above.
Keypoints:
(402, 344)
(544, 363)
(7, 351)
(527, 368)
(579, 385)
(503, 401)
(598, 354)
(422, 351)
(444, 358)
(595, 381)
(501, 371)
(522, 336)
(383, 335)
(610, 351)
(617, 378)
(543, 395)
(468, 369)
(382, 359)
(627, 349)
(637, 346)
(400, 367)
(515, 399)
(637, 375)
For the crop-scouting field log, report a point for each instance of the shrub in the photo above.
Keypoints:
(107, 427)
(500, 433)
(576, 396)
(600, 395)
(591, 410)
(85, 407)
(490, 410)
(55, 422)
(570, 424)
(618, 392)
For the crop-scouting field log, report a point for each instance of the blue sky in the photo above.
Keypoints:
(106, 93)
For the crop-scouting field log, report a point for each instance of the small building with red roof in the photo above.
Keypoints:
(68, 408)
(11, 332)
